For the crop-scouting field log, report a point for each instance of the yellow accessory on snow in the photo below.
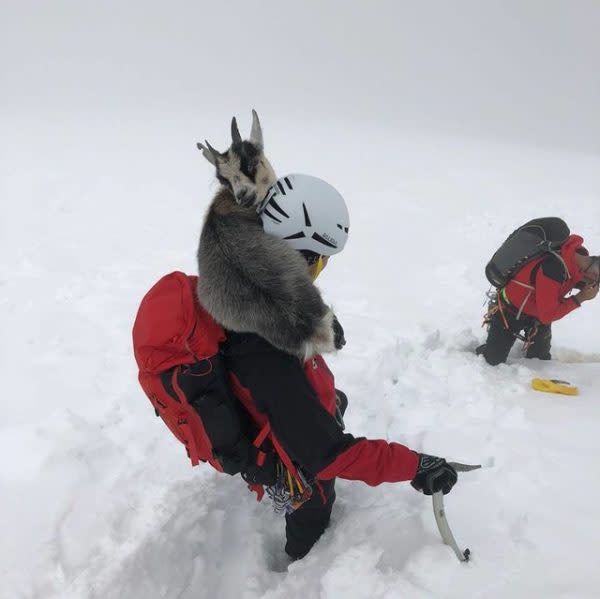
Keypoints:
(554, 386)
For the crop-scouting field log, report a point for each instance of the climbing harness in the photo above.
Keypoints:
(497, 304)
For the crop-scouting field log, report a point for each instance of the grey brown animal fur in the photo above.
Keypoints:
(250, 281)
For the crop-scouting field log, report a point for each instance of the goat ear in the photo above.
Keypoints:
(235, 132)
(256, 136)
(208, 152)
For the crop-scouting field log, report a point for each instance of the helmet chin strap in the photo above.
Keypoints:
(317, 268)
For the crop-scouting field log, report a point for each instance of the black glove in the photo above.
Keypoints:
(341, 403)
(434, 474)
(338, 334)
(266, 474)
(241, 459)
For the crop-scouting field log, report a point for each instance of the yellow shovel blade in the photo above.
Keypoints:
(554, 386)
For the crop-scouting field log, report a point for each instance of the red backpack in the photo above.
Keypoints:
(176, 341)
(171, 330)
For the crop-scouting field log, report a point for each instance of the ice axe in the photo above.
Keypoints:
(440, 515)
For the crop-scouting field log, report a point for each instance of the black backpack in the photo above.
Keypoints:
(530, 241)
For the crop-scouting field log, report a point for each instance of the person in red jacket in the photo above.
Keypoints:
(537, 295)
(296, 396)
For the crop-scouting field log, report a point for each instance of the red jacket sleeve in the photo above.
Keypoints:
(373, 462)
(550, 304)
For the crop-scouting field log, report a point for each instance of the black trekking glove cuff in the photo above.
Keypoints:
(434, 474)
(266, 473)
(234, 459)
(243, 459)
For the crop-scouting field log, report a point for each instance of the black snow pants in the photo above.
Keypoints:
(500, 339)
(304, 526)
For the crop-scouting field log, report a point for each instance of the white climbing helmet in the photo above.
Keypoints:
(306, 212)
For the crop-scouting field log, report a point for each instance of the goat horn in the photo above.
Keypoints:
(256, 135)
(235, 132)
(208, 152)
(214, 152)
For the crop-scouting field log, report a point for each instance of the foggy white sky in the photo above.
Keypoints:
(520, 69)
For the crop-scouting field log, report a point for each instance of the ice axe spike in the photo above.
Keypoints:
(440, 515)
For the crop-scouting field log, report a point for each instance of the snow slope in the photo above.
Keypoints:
(444, 125)
(99, 501)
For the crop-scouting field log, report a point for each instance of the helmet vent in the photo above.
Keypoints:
(281, 188)
(271, 216)
(278, 208)
(299, 235)
(287, 181)
(306, 217)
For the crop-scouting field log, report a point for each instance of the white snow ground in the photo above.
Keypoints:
(99, 501)
(102, 191)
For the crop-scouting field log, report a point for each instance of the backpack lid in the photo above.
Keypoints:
(172, 328)
(551, 228)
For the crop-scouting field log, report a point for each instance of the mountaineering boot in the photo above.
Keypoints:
(541, 342)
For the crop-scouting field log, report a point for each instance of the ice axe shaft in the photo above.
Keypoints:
(440, 515)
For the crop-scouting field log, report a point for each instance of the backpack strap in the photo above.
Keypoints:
(183, 422)
(503, 296)
(264, 431)
(533, 275)
(262, 435)
(534, 271)
(567, 274)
